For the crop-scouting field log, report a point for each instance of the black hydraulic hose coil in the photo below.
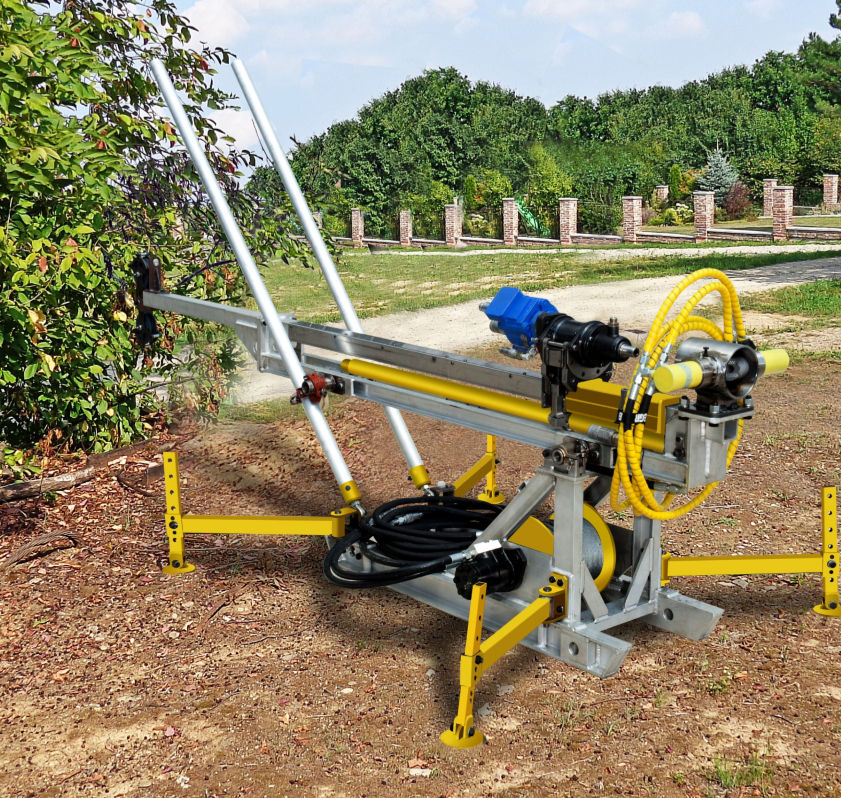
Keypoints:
(412, 537)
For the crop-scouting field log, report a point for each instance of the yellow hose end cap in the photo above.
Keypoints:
(678, 376)
(776, 360)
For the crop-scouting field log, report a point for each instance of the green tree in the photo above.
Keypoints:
(719, 176)
(91, 174)
(675, 183)
(546, 182)
(822, 62)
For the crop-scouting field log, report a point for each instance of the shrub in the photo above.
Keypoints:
(428, 210)
(599, 218)
(92, 174)
(737, 203)
(676, 187)
(685, 214)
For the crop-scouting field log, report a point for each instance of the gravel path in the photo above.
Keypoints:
(606, 253)
(462, 327)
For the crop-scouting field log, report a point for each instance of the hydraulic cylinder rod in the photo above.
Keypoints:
(417, 470)
(348, 487)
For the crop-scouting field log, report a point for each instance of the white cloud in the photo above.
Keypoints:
(454, 9)
(219, 22)
(685, 24)
(767, 9)
(238, 124)
(578, 12)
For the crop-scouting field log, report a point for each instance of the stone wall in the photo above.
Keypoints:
(631, 218)
(510, 221)
(405, 228)
(357, 226)
(704, 202)
(778, 204)
(783, 211)
(567, 219)
(830, 189)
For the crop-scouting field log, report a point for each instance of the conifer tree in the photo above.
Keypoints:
(719, 176)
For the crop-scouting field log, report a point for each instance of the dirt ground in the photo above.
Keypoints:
(254, 676)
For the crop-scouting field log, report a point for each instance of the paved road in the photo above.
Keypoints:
(464, 327)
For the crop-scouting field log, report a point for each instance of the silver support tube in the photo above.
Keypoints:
(331, 275)
(251, 272)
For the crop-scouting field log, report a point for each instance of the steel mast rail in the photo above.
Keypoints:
(417, 470)
(347, 486)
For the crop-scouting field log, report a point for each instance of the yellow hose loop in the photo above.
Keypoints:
(661, 337)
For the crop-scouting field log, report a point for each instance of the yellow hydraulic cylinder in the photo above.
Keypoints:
(458, 392)
(594, 402)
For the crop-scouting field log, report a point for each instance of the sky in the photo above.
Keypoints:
(316, 62)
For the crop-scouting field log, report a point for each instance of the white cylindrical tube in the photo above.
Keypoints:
(250, 271)
(311, 231)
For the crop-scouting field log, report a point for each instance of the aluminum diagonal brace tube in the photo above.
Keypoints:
(515, 513)
(255, 282)
(328, 268)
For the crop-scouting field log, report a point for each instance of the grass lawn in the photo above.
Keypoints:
(820, 301)
(754, 224)
(384, 283)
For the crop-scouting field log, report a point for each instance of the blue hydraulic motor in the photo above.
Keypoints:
(514, 315)
(570, 351)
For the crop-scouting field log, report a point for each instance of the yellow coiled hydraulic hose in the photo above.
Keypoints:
(661, 339)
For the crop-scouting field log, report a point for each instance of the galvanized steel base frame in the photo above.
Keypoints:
(580, 638)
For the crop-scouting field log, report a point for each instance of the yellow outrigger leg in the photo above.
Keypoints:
(478, 656)
(824, 562)
(179, 524)
(483, 468)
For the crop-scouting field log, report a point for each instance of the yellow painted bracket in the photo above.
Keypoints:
(484, 468)
(829, 562)
(478, 656)
(825, 562)
(179, 524)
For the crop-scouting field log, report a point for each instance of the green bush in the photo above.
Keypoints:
(92, 175)
(599, 218)
(428, 210)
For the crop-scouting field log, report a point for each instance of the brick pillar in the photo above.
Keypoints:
(452, 224)
(661, 193)
(510, 221)
(704, 202)
(830, 189)
(357, 226)
(567, 219)
(631, 218)
(405, 228)
(783, 211)
(768, 186)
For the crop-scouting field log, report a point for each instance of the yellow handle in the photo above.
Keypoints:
(776, 360)
(678, 376)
